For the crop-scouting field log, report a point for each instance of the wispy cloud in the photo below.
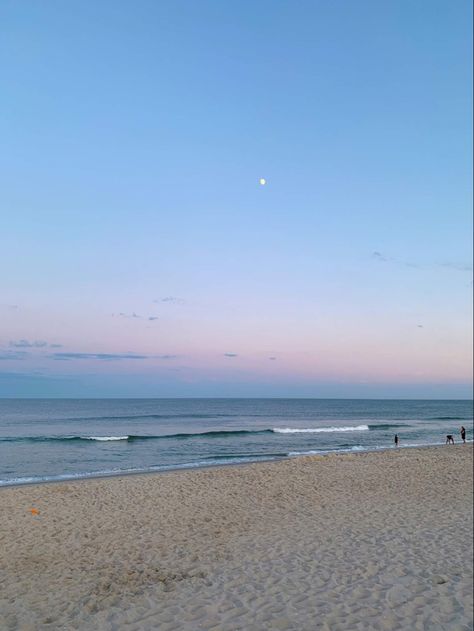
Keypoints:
(458, 267)
(230, 355)
(133, 316)
(106, 356)
(5, 355)
(99, 356)
(382, 258)
(32, 344)
(170, 299)
(27, 344)
(272, 358)
(379, 257)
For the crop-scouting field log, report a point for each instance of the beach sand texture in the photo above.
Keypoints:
(343, 542)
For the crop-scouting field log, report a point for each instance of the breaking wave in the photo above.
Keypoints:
(184, 436)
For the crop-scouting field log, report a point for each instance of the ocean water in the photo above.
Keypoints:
(51, 439)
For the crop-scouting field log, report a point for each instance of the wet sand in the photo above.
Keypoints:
(343, 542)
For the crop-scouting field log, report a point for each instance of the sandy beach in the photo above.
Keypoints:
(358, 542)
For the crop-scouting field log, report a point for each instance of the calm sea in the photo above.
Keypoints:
(66, 439)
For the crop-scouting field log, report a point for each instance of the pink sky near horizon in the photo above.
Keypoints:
(359, 349)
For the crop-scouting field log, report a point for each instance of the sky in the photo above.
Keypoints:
(140, 254)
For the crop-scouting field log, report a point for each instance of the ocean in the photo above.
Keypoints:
(62, 439)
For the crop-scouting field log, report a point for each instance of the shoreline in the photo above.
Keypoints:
(191, 467)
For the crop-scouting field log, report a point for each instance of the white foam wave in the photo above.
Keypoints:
(319, 430)
(105, 438)
(316, 452)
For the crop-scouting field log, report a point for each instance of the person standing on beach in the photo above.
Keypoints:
(463, 434)
(396, 440)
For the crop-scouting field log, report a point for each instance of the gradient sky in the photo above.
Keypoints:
(140, 256)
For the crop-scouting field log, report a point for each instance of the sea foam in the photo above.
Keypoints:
(319, 430)
(105, 438)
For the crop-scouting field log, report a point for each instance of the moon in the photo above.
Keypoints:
(262, 181)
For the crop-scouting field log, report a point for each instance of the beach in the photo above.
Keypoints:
(365, 541)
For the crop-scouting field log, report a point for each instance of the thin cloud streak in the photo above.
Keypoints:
(34, 344)
(13, 355)
(134, 316)
(98, 356)
(458, 267)
(170, 299)
(106, 356)
(26, 344)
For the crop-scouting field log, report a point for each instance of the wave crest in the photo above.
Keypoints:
(320, 430)
(103, 438)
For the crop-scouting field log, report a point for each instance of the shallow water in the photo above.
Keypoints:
(51, 439)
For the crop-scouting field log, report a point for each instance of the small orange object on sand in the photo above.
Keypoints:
(34, 511)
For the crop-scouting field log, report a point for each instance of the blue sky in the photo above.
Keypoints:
(143, 258)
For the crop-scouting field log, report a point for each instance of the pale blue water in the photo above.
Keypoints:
(48, 439)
